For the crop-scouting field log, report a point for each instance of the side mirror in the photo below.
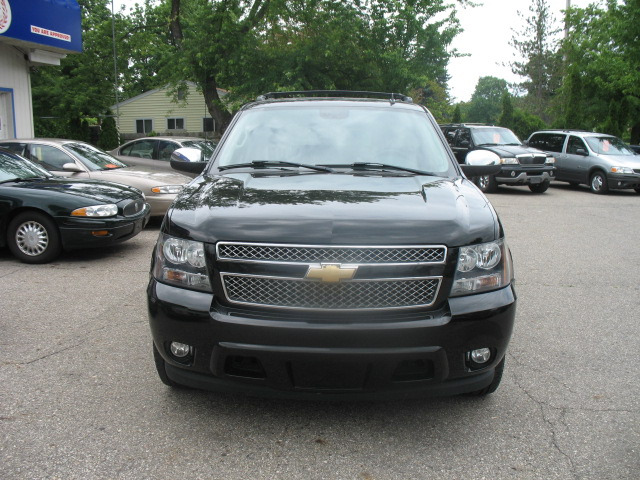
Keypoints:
(479, 163)
(465, 143)
(71, 167)
(581, 151)
(188, 160)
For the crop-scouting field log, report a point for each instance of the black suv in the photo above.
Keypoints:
(331, 247)
(521, 165)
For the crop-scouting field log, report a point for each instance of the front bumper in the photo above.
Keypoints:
(516, 175)
(395, 357)
(78, 232)
(623, 181)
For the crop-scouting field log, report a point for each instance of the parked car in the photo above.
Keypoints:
(71, 158)
(41, 215)
(521, 165)
(603, 162)
(332, 247)
(155, 152)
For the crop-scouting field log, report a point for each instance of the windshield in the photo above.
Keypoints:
(494, 136)
(205, 146)
(608, 146)
(15, 168)
(93, 158)
(337, 134)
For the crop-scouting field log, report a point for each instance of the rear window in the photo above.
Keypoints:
(552, 142)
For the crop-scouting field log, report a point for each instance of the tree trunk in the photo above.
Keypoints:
(212, 100)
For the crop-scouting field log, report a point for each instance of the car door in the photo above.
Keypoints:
(54, 159)
(461, 144)
(576, 160)
(139, 153)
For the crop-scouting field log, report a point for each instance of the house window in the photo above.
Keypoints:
(144, 125)
(208, 124)
(175, 123)
(182, 94)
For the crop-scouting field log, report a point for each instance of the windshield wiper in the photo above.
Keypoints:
(275, 163)
(18, 179)
(382, 166)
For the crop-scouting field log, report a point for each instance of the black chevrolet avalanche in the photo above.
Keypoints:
(332, 247)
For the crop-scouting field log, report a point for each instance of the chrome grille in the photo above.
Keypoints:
(527, 159)
(276, 253)
(348, 295)
(133, 208)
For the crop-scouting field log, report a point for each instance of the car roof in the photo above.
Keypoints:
(51, 141)
(582, 133)
(169, 137)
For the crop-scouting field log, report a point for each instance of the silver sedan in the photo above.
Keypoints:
(75, 159)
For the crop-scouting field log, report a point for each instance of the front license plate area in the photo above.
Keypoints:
(310, 375)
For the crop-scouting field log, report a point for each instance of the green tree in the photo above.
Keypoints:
(486, 102)
(109, 137)
(602, 86)
(457, 114)
(540, 63)
(506, 117)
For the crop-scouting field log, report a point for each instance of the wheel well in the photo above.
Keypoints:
(4, 225)
(594, 170)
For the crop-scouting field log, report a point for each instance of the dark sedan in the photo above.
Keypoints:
(41, 215)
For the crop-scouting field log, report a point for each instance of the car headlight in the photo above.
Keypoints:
(550, 160)
(182, 263)
(482, 268)
(621, 170)
(167, 189)
(96, 211)
(509, 161)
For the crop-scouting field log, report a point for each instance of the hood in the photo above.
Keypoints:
(333, 209)
(139, 176)
(631, 161)
(507, 151)
(86, 191)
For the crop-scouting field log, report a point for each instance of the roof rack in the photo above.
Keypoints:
(393, 97)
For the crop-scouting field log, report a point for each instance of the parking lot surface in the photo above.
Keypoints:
(80, 398)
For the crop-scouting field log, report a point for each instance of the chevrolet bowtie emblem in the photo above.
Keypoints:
(331, 272)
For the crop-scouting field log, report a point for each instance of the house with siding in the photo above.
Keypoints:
(157, 112)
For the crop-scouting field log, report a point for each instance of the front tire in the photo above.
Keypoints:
(540, 187)
(487, 184)
(33, 237)
(598, 183)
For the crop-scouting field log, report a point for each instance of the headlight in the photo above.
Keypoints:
(167, 189)
(482, 268)
(621, 170)
(509, 161)
(96, 211)
(181, 262)
(550, 160)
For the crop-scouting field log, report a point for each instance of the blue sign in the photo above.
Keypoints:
(42, 23)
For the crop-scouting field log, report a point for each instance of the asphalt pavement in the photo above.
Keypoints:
(80, 398)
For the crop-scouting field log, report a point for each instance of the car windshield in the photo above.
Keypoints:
(15, 168)
(608, 146)
(93, 158)
(339, 134)
(494, 136)
(205, 146)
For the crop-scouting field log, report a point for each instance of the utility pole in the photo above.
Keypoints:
(115, 67)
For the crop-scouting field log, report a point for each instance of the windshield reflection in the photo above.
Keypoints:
(608, 146)
(93, 158)
(494, 136)
(15, 168)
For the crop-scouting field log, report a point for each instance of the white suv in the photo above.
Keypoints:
(601, 161)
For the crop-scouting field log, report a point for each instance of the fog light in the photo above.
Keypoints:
(180, 350)
(481, 355)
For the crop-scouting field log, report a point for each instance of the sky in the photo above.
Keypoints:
(486, 36)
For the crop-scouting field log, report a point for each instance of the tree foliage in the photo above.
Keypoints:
(486, 102)
(540, 64)
(602, 86)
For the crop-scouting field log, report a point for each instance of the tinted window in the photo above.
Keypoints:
(19, 148)
(575, 144)
(165, 149)
(464, 138)
(331, 135)
(12, 168)
(141, 149)
(49, 157)
(552, 142)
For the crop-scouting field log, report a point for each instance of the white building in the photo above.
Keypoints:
(32, 33)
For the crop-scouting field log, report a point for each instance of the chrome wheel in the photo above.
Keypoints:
(32, 238)
(599, 183)
(483, 182)
(596, 183)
